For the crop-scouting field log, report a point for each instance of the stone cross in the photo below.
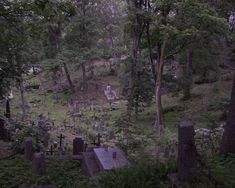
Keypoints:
(187, 161)
(61, 137)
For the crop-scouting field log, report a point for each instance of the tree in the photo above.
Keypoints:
(79, 43)
(228, 141)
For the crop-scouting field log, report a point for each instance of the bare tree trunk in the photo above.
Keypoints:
(188, 75)
(158, 85)
(228, 141)
(84, 77)
(68, 77)
(22, 99)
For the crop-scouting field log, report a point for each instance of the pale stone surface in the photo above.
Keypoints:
(110, 158)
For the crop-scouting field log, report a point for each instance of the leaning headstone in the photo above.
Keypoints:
(38, 165)
(78, 146)
(28, 148)
(187, 161)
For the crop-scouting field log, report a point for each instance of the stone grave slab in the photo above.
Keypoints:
(110, 158)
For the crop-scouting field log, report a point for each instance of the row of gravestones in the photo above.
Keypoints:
(38, 158)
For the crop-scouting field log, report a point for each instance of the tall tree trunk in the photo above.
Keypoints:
(228, 141)
(22, 99)
(84, 77)
(188, 75)
(135, 49)
(158, 85)
(68, 77)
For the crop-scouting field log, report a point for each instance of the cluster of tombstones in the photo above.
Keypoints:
(93, 157)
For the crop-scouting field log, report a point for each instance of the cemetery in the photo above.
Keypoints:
(117, 94)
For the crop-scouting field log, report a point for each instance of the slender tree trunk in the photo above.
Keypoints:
(84, 77)
(188, 75)
(22, 99)
(158, 85)
(68, 77)
(228, 141)
(132, 76)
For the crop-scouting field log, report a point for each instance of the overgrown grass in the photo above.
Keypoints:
(16, 172)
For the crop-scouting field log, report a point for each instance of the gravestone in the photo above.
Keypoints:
(61, 137)
(8, 111)
(3, 131)
(78, 146)
(102, 159)
(110, 158)
(28, 148)
(187, 161)
(38, 165)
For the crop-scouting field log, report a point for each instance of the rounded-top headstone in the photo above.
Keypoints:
(28, 148)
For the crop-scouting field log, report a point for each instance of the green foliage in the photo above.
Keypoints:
(145, 175)
(16, 172)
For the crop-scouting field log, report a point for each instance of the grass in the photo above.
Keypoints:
(17, 172)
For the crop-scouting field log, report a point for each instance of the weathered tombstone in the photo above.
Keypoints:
(28, 148)
(38, 165)
(8, 111)
(187, 161)
(2, 129)
(78, 146)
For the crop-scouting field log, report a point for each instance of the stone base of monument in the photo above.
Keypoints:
(102, 159)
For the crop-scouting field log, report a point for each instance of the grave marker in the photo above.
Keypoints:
(78, 146)
(187, 161)
(28, 148)
(61, 137)
(38, 165)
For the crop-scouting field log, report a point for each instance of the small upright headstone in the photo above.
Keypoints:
(28, 148)
(187, 161)
(8, 111)
(38, 165)
(78, 146)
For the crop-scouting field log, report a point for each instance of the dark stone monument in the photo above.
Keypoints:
(8, 111)
(2, 129)
(28, 148)
(78, 146)
(187, 154)
(38, 165)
